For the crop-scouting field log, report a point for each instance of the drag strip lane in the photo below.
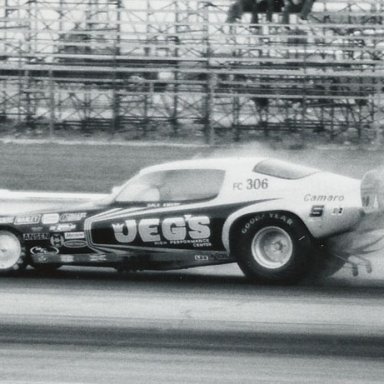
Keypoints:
(94, 333)
(188, 303)
(95, 326)
(68, 364)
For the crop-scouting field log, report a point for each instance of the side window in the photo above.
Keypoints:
(141, 189)
(173, 186)
(191, 184)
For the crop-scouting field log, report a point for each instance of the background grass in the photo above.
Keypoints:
(77, 168)
(96, 168)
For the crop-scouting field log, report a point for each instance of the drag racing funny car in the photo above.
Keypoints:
(271, 217)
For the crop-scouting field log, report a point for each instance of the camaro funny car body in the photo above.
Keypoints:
(267, 215)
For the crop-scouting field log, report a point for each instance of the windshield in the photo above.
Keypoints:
(173, 186)
(283, 170)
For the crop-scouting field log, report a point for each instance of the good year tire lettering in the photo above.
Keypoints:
(250, 222)
(171, 229)
(271, 215)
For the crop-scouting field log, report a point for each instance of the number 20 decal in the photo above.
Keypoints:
(257, 184)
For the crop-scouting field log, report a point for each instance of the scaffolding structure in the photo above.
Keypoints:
(176, 68)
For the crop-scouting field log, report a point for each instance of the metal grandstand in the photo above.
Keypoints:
(176, 68)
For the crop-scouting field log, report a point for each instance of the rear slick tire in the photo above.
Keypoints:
(12, 253)
(273, 248)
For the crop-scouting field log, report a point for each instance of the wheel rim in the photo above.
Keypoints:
(272, 247)
(10, 250)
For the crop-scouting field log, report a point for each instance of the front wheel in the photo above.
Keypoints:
(272, 247)
(12, 252)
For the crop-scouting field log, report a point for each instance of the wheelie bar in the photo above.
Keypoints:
(361, 262)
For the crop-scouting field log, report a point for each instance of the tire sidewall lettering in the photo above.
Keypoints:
(249, 224)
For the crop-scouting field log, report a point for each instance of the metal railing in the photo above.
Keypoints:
(181, 71)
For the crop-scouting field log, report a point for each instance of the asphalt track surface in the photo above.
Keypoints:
(210, 325)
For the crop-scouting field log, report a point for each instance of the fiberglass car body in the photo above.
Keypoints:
(267, 215)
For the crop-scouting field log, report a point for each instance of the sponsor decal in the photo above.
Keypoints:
(323, 198)
(62, 227)
(317, 211)
(176, 230)
(50, 218)
(7, 219)
(42, 258)
(98, 257)
(337, 211)
(75, 244)
(72, 216)
(35, 236)
(57, 240)
(74, 235)
(201, 258)
(37, 229)
(44, 251)
(67, 258)
(30, 219)
(196, 243)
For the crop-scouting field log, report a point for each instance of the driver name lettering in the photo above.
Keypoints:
(173, 229)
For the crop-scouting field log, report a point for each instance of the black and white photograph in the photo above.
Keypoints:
(191, 191)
